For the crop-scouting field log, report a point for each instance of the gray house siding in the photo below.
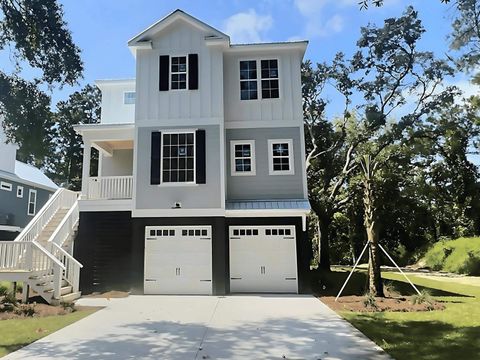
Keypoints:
(18, 207)
(201, 196)
(262, 185)
(120, 164)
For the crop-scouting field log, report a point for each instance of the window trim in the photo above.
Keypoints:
(171, 72)
(6, 186)
(258, 61)
(20, 188)
(178, 183)
(233, 170)
(291, 170)
(126, 92)
(30, 192)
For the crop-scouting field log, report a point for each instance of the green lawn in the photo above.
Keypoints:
(16, 333)
(453, 333)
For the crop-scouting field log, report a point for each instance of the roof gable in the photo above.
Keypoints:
(159, 26)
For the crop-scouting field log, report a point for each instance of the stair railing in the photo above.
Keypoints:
(71, 272)
(62, 198)
(66, 227)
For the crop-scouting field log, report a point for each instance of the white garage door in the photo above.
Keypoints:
(178, 260)
(263, 259)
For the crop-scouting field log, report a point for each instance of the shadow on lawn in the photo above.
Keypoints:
(330, 283)
(420, 339)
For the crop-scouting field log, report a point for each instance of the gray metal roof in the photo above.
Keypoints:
(286, 204)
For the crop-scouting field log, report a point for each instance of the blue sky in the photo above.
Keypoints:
(101, 28)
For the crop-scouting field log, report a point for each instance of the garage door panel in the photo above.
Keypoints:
(263, 259)
(178, 260)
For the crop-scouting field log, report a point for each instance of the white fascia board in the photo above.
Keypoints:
(91, 129)
(104, 205)
(259, 47)
(252, 124)
(103, 83)
(170, 19)
(177, 212)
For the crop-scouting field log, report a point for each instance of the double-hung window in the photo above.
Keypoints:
(178, 157)
(248, 80)
(281, 157)
(266, 84)
(242, 157)
(32, 202)
(179, 72)
(269, 79)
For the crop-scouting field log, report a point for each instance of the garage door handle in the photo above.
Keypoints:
(205, 238)
(234, 238)
(151, 238)
(235, 278)
(206, 280)
(289, 237)
(150, 280)
(290, 278)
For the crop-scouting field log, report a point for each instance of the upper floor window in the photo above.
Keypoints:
(178, 157)
(179, 72)
(281, 157)
(5, 186)
(20, 191)
(269, 79)
(242, 154)
(249, 80)
(129, 97)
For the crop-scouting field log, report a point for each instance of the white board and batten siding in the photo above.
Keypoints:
(114, 109)
(178, 260)
(205, 105)
(263, 259)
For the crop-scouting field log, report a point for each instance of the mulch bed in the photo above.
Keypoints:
(41, 310)
(356, 303)
(114, 294)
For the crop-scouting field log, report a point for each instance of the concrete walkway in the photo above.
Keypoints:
(206, 327)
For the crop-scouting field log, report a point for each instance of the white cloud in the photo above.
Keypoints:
(247, 27)
(467, 87)
(312, 11)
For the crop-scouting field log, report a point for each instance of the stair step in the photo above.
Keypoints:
(71, 296)
(66, 290)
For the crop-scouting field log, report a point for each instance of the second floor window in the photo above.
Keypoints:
(267, 83)
(281, 157)
(129, 97)
(178, 157)
(243, 157)
(179, 72)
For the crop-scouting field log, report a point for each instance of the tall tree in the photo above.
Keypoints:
(390, 79)
(36, 35)
(82, 107)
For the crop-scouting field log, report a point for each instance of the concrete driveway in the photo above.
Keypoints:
(206, 327)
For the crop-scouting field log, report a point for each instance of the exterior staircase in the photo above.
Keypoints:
(41, 255)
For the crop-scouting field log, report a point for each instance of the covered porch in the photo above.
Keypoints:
(113, 181)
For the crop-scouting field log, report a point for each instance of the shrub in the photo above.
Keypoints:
(3, 290)
(68, 306)
(423, 298)
(9, 298)
(460, 256)
(26, 310)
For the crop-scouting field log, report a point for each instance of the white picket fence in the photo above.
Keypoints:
(110, 187)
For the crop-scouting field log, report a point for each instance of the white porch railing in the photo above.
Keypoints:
(62, 198)
(110, 187)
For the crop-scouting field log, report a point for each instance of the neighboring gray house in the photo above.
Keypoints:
(201, 187)
(24, 189)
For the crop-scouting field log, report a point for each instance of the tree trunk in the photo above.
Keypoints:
(324, 244)
(374, 273)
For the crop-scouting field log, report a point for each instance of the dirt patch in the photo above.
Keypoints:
(357, 304)
(114, 294)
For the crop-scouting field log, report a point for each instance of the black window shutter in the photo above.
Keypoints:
(164, 72)
(155, 158)
(193, 71)
(200, 153)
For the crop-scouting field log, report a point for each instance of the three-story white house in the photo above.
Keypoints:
(201, 187)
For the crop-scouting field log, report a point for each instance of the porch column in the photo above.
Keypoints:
(87, 153)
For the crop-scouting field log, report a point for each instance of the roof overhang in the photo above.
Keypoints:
(143, 39)
(104, 83)
(107, 137)
(300, 46)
